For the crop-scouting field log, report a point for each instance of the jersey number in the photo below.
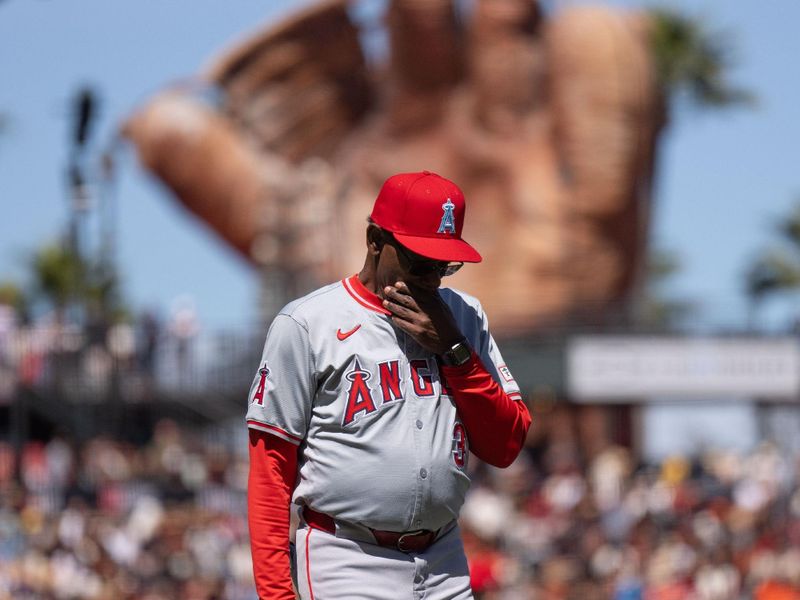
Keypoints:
(459, 445)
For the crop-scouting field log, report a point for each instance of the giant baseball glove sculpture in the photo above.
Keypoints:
(548, 123)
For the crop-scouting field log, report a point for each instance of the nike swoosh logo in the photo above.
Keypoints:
(343, 335)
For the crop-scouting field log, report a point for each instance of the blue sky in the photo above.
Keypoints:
(724, 177)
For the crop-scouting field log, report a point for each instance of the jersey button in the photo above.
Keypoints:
(419, 424)
(423, 473)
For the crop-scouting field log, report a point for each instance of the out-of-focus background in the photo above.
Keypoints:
(172, 173)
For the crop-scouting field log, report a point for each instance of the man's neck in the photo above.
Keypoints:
(367, 278)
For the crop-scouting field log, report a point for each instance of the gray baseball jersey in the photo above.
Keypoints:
(381, 441)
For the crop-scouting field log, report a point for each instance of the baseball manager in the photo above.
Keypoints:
(370, 394)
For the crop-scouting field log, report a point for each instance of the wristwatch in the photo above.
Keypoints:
(458, 354)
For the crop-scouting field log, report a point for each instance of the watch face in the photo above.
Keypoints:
(460, 353)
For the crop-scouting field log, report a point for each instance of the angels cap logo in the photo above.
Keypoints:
(448, 224)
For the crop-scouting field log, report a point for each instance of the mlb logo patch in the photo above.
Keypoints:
(505, 373)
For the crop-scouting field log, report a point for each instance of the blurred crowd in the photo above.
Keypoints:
(55, 350)
(167, 521)
(134, 359)
(556, 526)
(108, 520)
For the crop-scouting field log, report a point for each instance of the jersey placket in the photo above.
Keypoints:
(422, 474)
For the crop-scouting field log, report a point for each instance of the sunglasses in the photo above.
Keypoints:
(420, 267)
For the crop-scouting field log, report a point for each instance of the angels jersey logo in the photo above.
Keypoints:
(258, 398)
(448, 224)
(361, 400)
(359, 397)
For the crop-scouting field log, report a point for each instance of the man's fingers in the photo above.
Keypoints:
(403, 288)
(398, 309)
(399, 302)
(422, 297)
(408, 326)
(418, 300)
(400, 297)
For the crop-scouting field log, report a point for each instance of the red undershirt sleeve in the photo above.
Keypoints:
(273, 470)
(496, 424)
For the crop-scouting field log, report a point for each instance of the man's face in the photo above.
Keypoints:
(397, 263)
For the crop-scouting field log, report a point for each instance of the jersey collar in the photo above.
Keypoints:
(363, 296)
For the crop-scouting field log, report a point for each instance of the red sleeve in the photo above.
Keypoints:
(496, 424)
(273, 470)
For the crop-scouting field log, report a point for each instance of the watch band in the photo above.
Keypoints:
(457, 355)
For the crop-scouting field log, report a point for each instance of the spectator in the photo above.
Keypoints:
(183, 328)
(149, 336)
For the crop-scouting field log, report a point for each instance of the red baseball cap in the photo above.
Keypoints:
(425, 212)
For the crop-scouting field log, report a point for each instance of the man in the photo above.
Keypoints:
(369, 395)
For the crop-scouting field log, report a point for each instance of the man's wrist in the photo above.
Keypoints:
(457, 354)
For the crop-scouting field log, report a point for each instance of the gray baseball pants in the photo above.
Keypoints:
(332, 568)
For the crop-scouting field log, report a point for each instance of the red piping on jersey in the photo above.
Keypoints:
(308, 563)
(363, 296)
(291, 437)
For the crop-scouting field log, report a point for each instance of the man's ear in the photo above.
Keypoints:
(374, 239)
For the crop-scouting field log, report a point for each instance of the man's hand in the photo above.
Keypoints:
(423, 315)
